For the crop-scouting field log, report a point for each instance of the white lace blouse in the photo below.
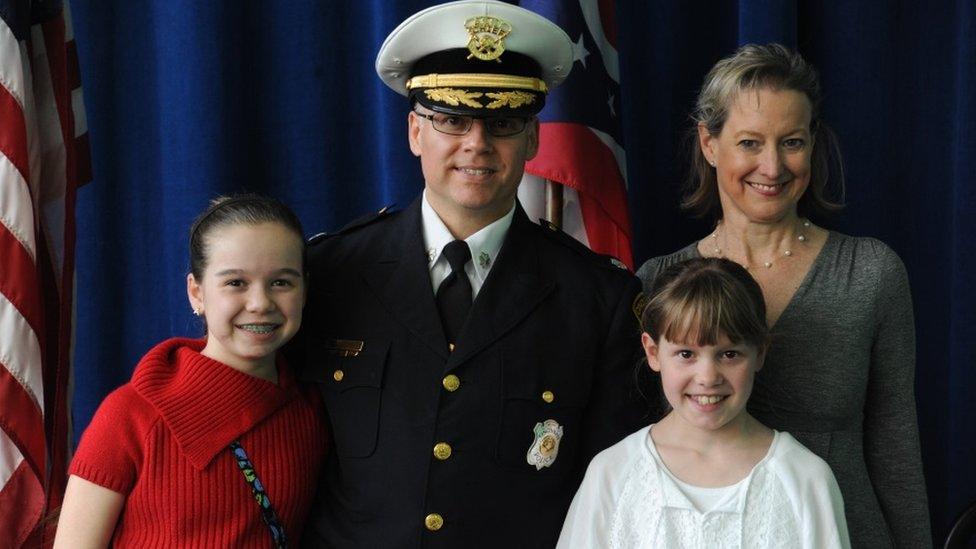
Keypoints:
(628, 499)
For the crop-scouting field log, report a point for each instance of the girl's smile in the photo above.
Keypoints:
(707, 402)
(706, 385)
(251, 295)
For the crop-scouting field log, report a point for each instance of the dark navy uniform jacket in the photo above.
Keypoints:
(551, 335)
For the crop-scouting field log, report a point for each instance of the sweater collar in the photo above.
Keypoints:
(205, 403)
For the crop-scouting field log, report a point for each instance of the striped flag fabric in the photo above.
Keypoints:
(581, 138)
(43, 160)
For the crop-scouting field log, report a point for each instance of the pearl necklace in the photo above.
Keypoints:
(788, 253)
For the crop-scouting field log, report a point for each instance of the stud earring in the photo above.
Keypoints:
(197, 312)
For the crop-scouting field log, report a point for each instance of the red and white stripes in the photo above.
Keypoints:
(588, 162)
(42, 162)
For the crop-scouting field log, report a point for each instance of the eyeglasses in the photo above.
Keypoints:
(496, 126)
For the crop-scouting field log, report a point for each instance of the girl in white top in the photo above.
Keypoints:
(708, 474)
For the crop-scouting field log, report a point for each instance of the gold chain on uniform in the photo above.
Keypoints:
(477, 80)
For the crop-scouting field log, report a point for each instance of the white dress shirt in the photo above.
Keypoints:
(484, 244)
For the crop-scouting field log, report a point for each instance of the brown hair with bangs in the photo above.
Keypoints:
(698, 300)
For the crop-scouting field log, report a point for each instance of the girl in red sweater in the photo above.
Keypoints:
(212, 443)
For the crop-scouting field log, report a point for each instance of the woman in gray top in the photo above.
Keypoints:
(840, 373)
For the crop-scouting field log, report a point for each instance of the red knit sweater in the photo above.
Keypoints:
(162, 440)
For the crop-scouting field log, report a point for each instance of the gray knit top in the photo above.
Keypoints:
(839, 377)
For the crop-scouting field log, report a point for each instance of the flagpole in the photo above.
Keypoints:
(554, 203)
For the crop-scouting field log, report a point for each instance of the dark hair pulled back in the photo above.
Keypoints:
(240, 209)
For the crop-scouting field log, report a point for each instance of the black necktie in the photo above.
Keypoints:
(454, 294)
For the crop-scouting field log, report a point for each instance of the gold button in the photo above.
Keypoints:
(451, 382)
(433, 522)
(450, 347)
(442, 450)
(338, 375)
(548, 396)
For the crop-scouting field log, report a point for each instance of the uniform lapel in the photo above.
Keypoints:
(514, 287)
(401, 280)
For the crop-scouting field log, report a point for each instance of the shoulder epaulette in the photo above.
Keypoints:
(316, 238)
(562, 237)
(357, 223)
(367, 219)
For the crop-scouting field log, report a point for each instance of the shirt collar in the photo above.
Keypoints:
(436, 233)
(484, 244)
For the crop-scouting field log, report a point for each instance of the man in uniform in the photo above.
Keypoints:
(471, 361)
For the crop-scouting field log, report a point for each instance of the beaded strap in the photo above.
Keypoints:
(260, 496)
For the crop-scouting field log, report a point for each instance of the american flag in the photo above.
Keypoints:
(43, 159)
(581, 145)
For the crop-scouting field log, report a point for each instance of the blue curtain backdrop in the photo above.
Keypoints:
(187, 100)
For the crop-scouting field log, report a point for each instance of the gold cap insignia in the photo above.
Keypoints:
(512, 99)
(487, 37)
(454, 97)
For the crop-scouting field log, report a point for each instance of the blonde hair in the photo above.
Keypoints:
(756, 67)
(698, 300)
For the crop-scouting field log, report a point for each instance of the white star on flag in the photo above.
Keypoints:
(580, 151)
(580, 52)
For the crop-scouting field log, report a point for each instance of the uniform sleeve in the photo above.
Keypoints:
(616, 406)
(588, 521)
(891, 441)
(111, 448)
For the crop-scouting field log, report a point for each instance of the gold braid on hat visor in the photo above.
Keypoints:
(477, 81)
